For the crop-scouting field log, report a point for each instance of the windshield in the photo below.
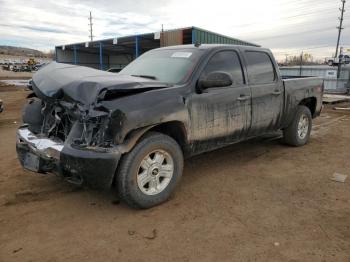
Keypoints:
(171, 66)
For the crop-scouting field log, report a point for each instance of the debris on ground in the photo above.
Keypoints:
(153, 236)
(17, 250)
(131, 232)
(339, 177)
(335, 99)
(342, 108)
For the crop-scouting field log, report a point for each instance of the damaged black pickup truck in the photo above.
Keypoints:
(131, 131)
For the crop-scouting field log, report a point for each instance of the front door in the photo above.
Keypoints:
(221, 115)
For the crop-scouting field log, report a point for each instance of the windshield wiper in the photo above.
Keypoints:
(146, 76)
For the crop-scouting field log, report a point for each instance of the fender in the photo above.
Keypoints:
(132, 139)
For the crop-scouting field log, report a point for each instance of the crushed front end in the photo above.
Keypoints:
(73, 122)
(69, 139)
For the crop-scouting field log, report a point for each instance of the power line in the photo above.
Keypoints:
(303, 4)
(289, 27)
(306, 7)
(290, 18)
(297, 51)
(308, 14)
(321, 30)
(318, 30)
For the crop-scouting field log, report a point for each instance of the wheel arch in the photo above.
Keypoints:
(174, 129)
(310, 103)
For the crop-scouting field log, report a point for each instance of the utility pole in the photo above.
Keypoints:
(301, 63)
(340, 27)
(286, 62)
(90, 24)
(162, 37)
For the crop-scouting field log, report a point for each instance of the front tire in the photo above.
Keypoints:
(298, 132)
(149, 173)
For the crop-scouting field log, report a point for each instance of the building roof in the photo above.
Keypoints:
(147, 36)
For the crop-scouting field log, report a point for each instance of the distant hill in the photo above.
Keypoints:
(21, 51)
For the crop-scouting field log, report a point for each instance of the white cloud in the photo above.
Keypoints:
(286, 26)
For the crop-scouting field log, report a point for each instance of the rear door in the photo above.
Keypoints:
(267, 92)
(221, 114)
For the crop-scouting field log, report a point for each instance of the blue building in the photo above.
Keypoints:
(118, 52)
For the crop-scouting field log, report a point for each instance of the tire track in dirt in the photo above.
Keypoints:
(32, 195)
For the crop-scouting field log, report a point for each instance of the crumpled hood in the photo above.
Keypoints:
(84, 84)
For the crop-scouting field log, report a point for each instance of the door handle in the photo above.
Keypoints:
(243, 98)
(277, 92)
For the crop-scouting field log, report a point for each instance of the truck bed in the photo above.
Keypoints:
(297, 89)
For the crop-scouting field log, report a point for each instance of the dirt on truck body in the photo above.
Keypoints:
(132, 130)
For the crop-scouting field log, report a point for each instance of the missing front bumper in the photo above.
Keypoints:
(37, 154)
(94, 168)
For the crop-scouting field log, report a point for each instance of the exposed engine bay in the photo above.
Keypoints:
(57, 119)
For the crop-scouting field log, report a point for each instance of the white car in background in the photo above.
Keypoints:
(344, 59)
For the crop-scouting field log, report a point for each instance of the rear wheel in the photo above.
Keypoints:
(298, 132)
(149, 173)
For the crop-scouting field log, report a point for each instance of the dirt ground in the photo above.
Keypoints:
(255, 201)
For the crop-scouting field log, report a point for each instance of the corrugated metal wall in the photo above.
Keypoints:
(329, 74)
(169, 38)
(206, 37)
(196, 35)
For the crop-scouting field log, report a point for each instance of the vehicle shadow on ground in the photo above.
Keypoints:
(211, 162)
(247, 150)
(47, 187)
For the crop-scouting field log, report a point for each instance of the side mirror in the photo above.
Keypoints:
(215, 79)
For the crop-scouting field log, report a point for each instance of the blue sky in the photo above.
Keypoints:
(285, 26)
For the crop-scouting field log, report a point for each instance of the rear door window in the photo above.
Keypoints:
(229, 62)
(260, 68)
